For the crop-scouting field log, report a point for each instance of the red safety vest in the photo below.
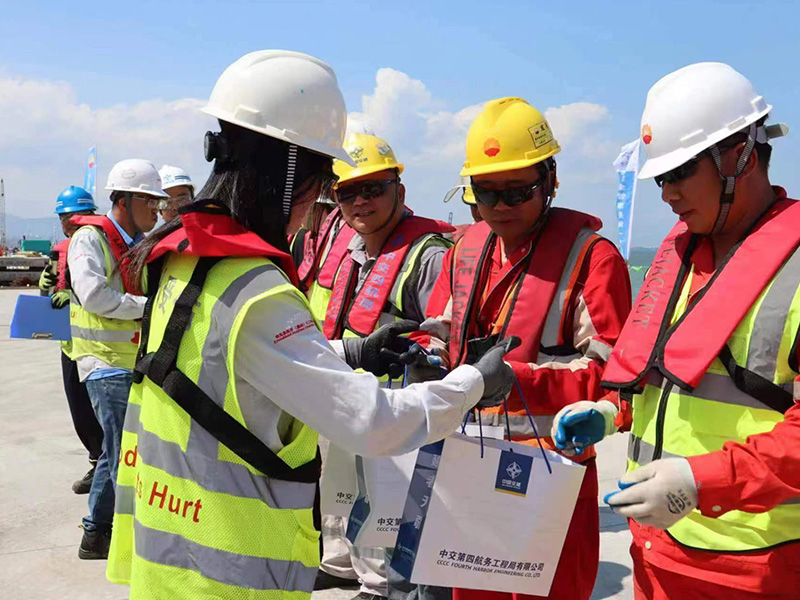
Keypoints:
(330, 265)
(648, 342)
(539, 273)
(361, 314)
(115, 240)
(61, 264)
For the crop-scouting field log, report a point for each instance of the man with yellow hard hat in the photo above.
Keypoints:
(545, 275)
(386, 277)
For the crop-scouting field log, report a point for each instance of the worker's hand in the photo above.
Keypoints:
(658, 494)
(582, 424)
(383, 350)
(498, 376)
(47, 279)
(59, 299)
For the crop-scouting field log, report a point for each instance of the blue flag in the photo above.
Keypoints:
(90, 178)
(627, 166)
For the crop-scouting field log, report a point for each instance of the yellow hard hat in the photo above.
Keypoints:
(508, 134)
(370, 154)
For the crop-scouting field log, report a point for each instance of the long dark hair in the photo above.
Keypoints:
(250, 184)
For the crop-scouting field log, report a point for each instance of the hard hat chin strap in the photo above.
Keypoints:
(288, 186)
(550, 173)
(729, 181)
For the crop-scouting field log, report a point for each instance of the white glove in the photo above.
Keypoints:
(658, 494)
(582, 424)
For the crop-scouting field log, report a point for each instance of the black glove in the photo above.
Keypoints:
(383, 350)
(498, 377)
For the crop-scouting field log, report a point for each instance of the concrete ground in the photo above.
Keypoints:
(40, 457)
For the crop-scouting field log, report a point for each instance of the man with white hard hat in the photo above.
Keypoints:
(709, 355)
(105, 322)
(178, 185)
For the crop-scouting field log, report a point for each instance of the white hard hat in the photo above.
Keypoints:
(135, 175)
(174, 177)
(290, 96)
(692, 109)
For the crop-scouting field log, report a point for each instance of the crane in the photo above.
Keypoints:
(2, 217)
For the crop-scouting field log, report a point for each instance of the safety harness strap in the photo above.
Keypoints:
(160, 367)
(756, 386)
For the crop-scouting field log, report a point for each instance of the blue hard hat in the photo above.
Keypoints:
(74, 199)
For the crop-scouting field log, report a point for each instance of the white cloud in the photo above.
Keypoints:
(46, 133)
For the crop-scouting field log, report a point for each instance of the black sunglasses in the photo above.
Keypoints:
(366, 189)
(679, 173)
(510, 197)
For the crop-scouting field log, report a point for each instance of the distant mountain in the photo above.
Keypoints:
(42, 228)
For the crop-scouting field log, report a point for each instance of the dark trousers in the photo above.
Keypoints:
(80, 407)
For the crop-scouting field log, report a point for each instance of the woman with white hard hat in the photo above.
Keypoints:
(218, 475)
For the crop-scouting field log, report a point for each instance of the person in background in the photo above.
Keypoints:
(545, 275)
(105, 320)
(74, 201)
(178, 185)
(710, 355)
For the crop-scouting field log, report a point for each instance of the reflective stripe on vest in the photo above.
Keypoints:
(578, 231)
(669, 421)
(114, 341)
(251, 535)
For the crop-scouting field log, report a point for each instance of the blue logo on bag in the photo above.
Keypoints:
(513, 473)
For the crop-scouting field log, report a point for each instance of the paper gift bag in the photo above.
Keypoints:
(495, 523)
(382, 489)
(338, 487)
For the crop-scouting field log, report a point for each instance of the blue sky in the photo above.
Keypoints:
(110, 66)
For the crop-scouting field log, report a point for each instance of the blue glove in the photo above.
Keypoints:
(583, 424)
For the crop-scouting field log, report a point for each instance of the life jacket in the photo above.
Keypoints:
(718, 369)
(647, 341)
(330, 259)
(360, 315)
(115, 240)
(61, 264)
(209, 231)
(313, 247)
(539, 273)
(535, 304)
(198, 480)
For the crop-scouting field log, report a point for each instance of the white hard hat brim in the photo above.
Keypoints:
(280, 134)
(156, 194)
(179, 184)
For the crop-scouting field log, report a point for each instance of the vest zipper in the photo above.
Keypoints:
(660, 418)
